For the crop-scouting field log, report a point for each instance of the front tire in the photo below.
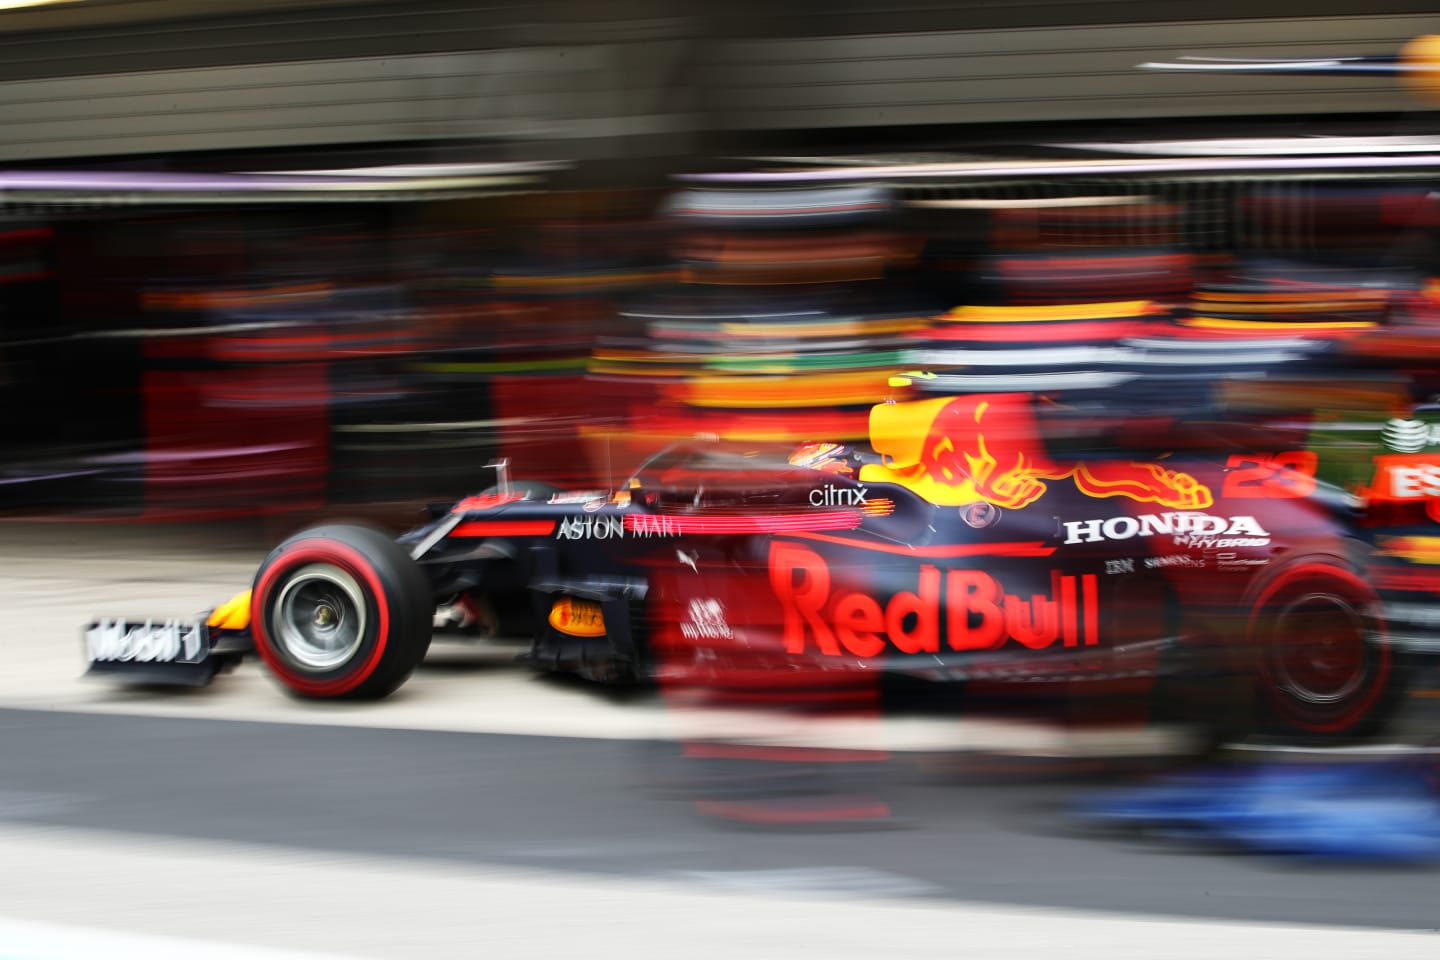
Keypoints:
(341, 611)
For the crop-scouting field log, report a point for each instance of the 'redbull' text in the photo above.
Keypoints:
(970, 608)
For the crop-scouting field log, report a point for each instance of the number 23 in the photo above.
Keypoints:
(1270, 475)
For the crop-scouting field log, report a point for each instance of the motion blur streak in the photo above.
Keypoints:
(824, 477)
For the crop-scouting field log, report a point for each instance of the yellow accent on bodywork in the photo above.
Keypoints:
(1415, 549)
(578, 618)
(233, 614)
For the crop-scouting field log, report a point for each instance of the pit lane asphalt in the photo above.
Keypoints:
(625, 809)
(604, 798)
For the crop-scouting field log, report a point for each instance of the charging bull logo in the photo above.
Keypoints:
(970, 607)
(960, 450)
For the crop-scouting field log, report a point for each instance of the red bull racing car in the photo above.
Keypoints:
(964, 548)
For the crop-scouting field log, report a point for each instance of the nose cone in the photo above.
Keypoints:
(233, 614)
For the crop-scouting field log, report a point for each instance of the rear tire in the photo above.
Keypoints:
(341, 611)
(1325, 663)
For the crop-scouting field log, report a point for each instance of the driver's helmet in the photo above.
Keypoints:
(827, 457)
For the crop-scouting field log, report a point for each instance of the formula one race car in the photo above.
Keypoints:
(969, 547)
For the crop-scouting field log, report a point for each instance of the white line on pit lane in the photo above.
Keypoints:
(1330, 752)
(24, 940)
(403, 908)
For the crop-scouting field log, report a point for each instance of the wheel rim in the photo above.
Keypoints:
(1321, 655)
(319, 617)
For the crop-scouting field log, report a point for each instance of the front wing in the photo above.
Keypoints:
(170, 651)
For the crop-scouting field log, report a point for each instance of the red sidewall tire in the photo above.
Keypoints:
(352, 562)
(398, 607)
(1368, 640)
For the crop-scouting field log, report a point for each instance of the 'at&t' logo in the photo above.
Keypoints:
(977, 612)
(1409, 436)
